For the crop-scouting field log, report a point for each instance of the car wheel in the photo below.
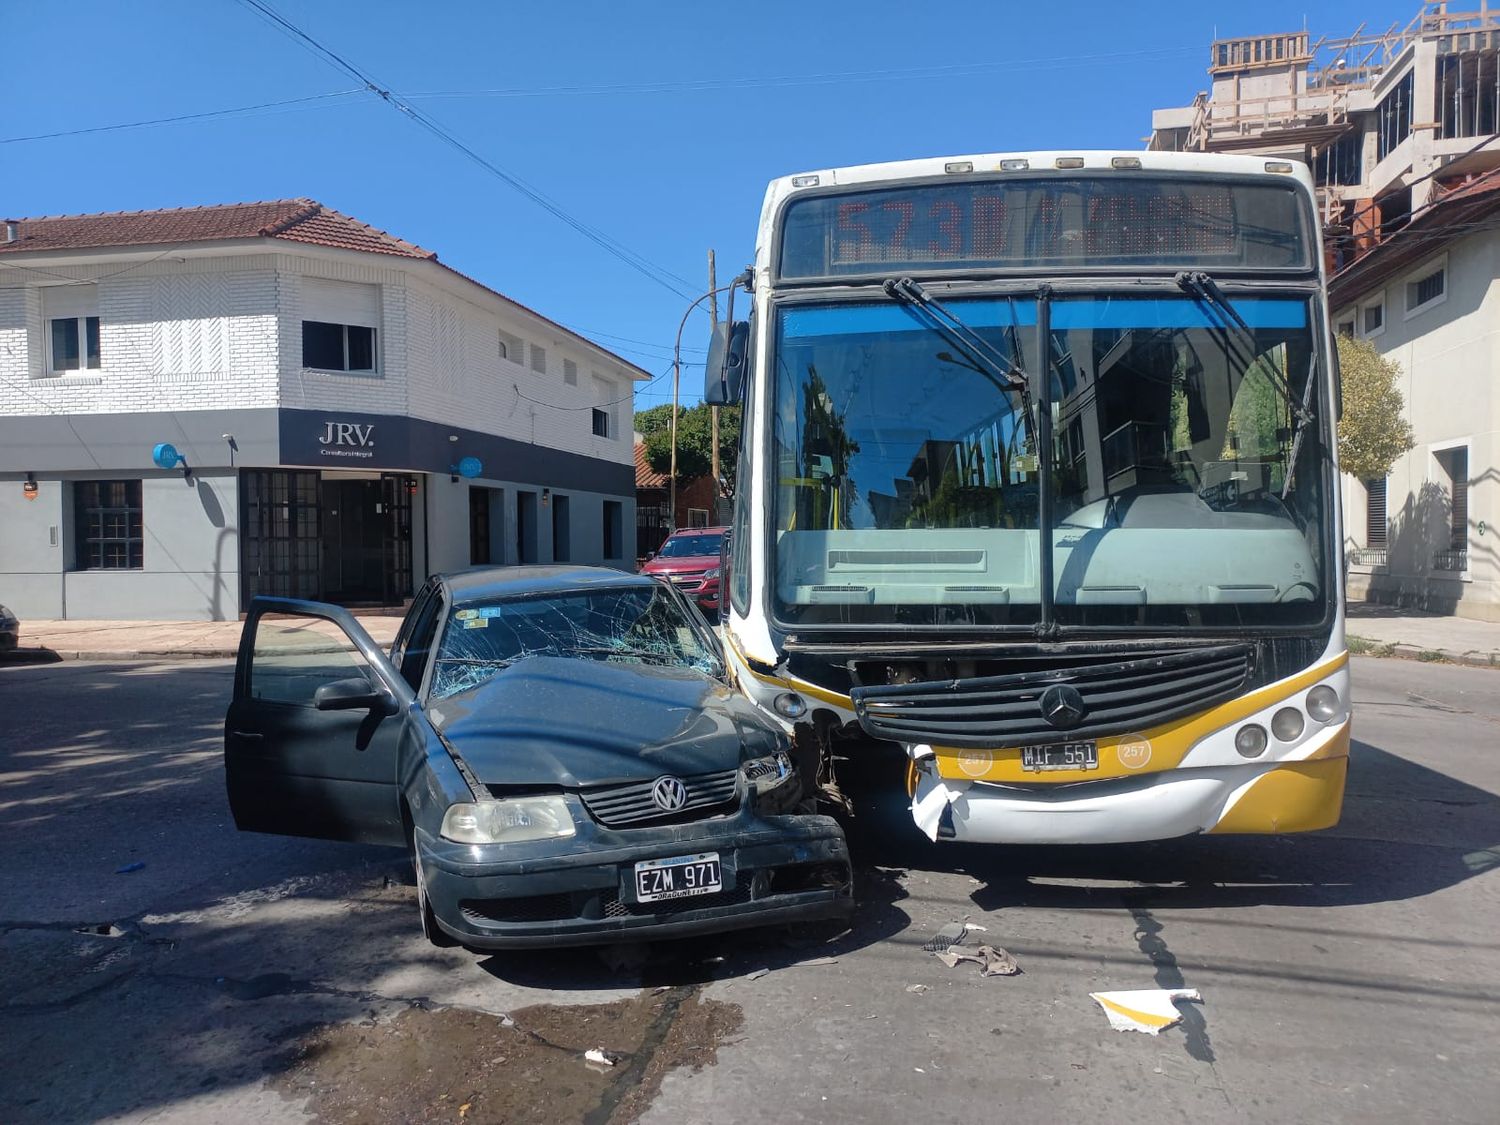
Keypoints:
(434, 933)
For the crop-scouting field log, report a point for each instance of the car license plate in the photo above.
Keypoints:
(657, 880)
(1060, 756)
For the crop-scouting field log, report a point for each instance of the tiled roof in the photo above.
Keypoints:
(645, 475)
(296, 220)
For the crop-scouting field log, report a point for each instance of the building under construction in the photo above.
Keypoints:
(1401, 128)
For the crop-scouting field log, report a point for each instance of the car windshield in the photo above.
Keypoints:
(689, 546)
(633, 625)
(907, 473)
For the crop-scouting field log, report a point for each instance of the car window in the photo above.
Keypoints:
(634, 625)
(686, 546)
(418, 647)
(294, 656)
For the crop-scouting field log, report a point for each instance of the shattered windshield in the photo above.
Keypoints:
(634, 625)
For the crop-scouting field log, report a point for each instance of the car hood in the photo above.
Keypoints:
(679, 563)
(575, 722)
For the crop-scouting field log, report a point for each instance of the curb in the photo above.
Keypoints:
(54, 656)
(1401, 651)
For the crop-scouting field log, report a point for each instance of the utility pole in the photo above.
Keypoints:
(713, 413)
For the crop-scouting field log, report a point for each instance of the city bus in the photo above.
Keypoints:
(1038, 485)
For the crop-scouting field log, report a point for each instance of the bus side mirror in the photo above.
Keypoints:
(724, 373)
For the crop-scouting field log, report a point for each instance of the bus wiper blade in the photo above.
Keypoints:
(960, 335)
(1206, 291)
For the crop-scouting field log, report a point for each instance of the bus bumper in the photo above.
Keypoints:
(1272, 797)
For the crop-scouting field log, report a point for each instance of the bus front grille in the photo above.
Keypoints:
(998, 711)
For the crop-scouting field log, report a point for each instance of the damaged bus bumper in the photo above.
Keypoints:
(1296, 795)
(775, 870)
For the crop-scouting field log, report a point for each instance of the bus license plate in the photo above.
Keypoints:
(657, 880)
(1060, 756)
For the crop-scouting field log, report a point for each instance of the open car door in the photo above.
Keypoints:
(316, 726)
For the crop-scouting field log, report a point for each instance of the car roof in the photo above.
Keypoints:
(485, 582)
(697, 531)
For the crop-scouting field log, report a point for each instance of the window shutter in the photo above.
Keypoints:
(539, 358)
(1460, 528)
(340, 302)
(1375, 526)
(570, 373)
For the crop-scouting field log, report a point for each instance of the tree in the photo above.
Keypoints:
(1373, 433)
(694, 440)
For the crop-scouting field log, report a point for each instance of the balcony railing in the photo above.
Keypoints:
(1450, 560)
(1367, 556)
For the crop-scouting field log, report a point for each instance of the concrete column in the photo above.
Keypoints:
(1424, 120)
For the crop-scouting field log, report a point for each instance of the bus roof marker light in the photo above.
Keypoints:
(1282, 166)
(954, 167)
(805, 181)
(1068, 162)
(1015, 164)
(1124, 161)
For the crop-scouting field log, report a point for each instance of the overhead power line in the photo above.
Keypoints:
(612, 246)
(180, 118)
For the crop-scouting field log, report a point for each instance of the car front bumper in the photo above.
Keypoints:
(776, 869)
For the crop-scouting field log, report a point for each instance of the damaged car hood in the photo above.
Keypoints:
(578, 722)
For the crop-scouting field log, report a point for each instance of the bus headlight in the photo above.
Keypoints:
(1322, 703)
(790, 705)
(1250, 740)
(1287, 724)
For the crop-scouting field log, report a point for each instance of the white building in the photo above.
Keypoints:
(328, 386)
(1401, 129)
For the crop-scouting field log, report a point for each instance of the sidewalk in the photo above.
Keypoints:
(167, 640)
(1393, 631)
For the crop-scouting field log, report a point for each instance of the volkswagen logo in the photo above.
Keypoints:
(669, 793)
(1063, 707)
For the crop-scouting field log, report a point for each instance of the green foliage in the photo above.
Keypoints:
(694, 440)
(1373, 433)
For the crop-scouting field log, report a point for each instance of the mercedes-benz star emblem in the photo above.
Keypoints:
(669, 793)
(1062, 706)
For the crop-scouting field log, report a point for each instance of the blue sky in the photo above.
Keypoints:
(656, 123)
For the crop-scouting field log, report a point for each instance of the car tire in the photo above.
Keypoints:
(434, 933)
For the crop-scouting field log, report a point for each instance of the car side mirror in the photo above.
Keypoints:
(724, 372)
(354, 694)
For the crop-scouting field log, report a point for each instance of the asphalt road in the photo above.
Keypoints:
(1350, 975)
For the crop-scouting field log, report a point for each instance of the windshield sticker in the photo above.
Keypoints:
(1134, 751)
(477, 623)
(466, 615)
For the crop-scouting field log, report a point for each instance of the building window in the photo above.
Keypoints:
(1426, 290)
(1375, 525)
(504, 347)
(697, 517)
(72, 313)
(338, 347)
(601, 422)
(570, 373)
(1374, 318)
(1345, 328)
(614, 529)
(539, 359)
(108, 524)
(479, 526)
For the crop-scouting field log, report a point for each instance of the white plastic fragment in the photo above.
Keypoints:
(757, 974)
(1147, 1009)
(918, 988)
(992, 960)
(599, 1057)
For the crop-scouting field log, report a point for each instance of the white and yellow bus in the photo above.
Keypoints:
(1038, 483)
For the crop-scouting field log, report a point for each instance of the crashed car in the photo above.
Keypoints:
(556, 748)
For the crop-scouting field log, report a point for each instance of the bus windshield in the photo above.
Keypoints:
(1184, 491)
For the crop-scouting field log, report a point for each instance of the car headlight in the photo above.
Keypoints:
(766, 774)
(508, 821)
(707, 574)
